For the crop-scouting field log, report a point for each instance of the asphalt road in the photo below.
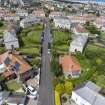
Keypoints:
(46, 93)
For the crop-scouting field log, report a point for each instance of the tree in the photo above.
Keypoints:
(1, 24)
(68, 87)
(56, 68)
(59, 88)
(100, 80)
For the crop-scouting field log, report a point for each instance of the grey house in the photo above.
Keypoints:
(16, 99)
(88, 94)
(10, 40)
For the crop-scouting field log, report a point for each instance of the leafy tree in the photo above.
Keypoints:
(100, 80)
(56, 68)
(60, 88)
(68, 87)
(1, 24)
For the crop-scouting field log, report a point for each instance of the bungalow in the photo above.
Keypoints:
(62, 22)
(78, 43)
(14, 64)
(80, 30)
(88, 94)
(70, 66)
(39, 13)
(10, 39)
(55, 14)
(29, 21)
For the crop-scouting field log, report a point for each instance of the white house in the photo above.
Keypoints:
(78, 43)
(99, 21)
(103, 28)
(70, 66)
(80, 30)
(62, 22)
(29, 21)
(39, 13)
(55, 14)
(11, 16)
(10, 39)
(88, 94)
(22, 13)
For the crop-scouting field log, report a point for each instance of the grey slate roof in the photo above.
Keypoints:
(90, 92)
(80, 40)
(62, 20)
(16, 98)
(10, 36)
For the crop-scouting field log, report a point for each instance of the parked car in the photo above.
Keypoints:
(32, 90)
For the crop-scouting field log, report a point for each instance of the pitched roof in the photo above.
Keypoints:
(17, 62)
(80, 29)
(80, 40)
(69, 63)
(16, 98)
(10, 36)
(90, 93)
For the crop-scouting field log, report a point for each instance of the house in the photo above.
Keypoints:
(49, 7)
(103, 28)
(10, 39)
(22, 13)
(99, 22)
(78, 43)
(29, 21)
(1, 98)
(62, 22)
(39, 13)
(88, 94)
(80, 30)
(70, 66)
(15, 64)
(55, 14)
(11, 17)
(16, 99)
(81, 19)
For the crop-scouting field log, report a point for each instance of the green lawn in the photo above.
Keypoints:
(30, 51)
(93, 64)
(2, 50)
(63, 47)
(32, 38)
(61, 36)
(61, 41)
(13, 85)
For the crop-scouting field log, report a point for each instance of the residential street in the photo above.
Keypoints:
(46, 93)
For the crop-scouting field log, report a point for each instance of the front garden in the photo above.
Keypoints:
(30, 42)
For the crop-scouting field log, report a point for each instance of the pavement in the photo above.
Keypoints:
(46, 93)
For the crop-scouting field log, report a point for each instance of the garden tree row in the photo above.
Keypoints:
(65, 87)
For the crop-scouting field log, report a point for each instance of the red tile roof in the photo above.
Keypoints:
(7, 74)
(80, 29)
(15, 57)
(69, 63)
